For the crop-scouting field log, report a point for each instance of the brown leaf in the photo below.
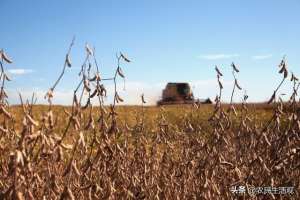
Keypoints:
(220, 85)
(88, 49)
(237, 85)
(218, 71)
(235, 68)
(5, 57)
(68, 60)
(272, 98)
(285, 74)
(143, 98)
(125, 58)
(120, 72)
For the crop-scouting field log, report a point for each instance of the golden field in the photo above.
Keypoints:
(219, 151)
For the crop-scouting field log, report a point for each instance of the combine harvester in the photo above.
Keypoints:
(179, 93)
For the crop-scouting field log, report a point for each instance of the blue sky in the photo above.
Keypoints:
(167, 41)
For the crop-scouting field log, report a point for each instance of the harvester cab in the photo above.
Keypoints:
(177, 93)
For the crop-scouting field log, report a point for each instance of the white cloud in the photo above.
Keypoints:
(262, 57)
(60, 97)
(209, 82)
(20, 71)
(131, 95)
(152, 92)
(209, 89)
(218, 56)
(134, 90)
